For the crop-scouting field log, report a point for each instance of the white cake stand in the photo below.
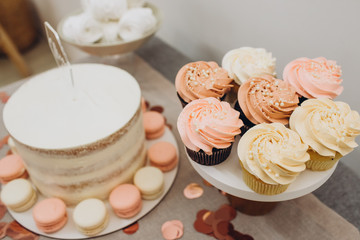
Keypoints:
(69, 231)
(227, 176)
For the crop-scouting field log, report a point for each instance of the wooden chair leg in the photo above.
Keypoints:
(12, 52)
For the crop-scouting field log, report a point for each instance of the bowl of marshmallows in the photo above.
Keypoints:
(110, 27)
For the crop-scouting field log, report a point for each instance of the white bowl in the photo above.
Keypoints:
(116, 47)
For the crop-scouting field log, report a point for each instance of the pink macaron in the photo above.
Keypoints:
(50, 215)
(163, 155)
(154, 124)
(12, 167)
(125, 200)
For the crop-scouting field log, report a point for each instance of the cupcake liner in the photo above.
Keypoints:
(321, 163)
(218, 156)
(247, 123)
(302, 99)
(259, 186)
(183, 103)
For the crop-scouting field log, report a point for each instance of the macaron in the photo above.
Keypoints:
(150, 181)
(50, 215)
(163, 155)
(125, 200)
(154, 124)
(90, 216)
(18, 195)
(12, 167)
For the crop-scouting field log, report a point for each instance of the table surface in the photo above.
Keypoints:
(341, 192)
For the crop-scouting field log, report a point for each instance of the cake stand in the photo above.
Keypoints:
(227, 176)
(69, 231)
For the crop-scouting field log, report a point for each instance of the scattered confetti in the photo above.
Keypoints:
(3, 227)
(4, 97)
(157, 108)
(131, 229)
(217, 224)
(172, 230)
(5, 139)
(207, 183)
(3, 210)
(18, 232)
(193, 190)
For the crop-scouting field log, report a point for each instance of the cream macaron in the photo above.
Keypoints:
(18, 195)
(150, 181)
(50, 215)
(90, 216)
(125, 200)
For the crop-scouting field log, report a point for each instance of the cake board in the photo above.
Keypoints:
(227, 176)
(69, 231)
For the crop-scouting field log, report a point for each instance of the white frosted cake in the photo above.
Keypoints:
(78, 144)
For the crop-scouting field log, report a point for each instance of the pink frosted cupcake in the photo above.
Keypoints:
(208, 128)
(314, 78)
(197, 80)
(265, 99)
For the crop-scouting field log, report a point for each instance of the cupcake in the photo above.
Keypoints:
(265, 99)
(314, 78)
(208, 128)
(329, 128)
(271, 156)
(243, 63)
(198, 80)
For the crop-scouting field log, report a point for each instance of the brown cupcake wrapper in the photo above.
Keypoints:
(218, 156)
(259, 186)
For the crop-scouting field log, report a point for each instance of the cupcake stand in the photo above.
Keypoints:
(227, 176)
(69, 231)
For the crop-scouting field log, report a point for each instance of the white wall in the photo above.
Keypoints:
(207, 29)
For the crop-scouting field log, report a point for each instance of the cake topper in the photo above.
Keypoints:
(58, 51)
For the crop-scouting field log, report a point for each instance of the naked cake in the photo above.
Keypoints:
(78, 140)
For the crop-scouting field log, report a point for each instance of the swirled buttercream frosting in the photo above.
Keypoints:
(266, 99)
(314, 78)
(208, 123)
(201, 79)
(273, 153)
(326, 126)
(243, 63)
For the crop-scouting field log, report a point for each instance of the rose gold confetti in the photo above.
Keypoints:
(207, 183)
(172, 230)
(18, 232)
(3, 210)
(5, 139)
(169, 126)
(222, 192)
(157, 108)
(147, 104)
(132, 228)
(3, 227)
(193, 190)
(4, 97)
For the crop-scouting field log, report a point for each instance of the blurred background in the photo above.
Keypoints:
(207, 29)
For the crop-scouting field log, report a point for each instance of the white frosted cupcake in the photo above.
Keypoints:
(329, 128)
(243, 63)
(271, 156)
